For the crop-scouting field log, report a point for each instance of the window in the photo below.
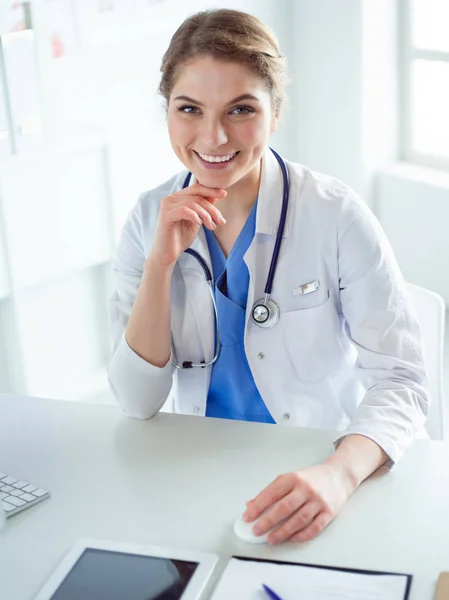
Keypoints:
(425, 106)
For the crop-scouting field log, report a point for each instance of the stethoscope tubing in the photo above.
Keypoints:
(280, 231)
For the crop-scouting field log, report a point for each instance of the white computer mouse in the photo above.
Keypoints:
(244, 532)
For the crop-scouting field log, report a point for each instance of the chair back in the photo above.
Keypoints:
(430, 311)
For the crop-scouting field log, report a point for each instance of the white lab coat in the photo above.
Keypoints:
(345, 357)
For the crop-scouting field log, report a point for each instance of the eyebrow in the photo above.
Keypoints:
(238, 99)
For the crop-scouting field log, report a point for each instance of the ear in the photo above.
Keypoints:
(274, 123)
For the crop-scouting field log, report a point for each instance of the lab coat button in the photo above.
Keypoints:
(261, 355)
(196, 409)
(286, 416)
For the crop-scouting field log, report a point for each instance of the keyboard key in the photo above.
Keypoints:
(20, 484)
(14, 501)
(27, 497)
(17, 495)
(29, 488)
(9, 480)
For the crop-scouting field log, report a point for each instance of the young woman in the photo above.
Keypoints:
(306, 322)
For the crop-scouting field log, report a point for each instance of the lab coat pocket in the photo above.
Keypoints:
(312, 337)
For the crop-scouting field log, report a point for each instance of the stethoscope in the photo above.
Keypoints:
(265, 311)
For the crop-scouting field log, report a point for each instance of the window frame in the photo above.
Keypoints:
(407, 55)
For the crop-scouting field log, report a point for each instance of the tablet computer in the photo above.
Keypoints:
(96, 569)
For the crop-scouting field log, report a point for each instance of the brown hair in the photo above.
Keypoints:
(228, 35)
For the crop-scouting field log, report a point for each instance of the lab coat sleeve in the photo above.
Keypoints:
(384, 330)
(139, 387)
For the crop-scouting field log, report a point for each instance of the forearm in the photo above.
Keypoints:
(357, 457)
(148, 329)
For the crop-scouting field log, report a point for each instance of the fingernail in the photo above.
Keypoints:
(212, 224)
(222, 220)
(245, 516)
(257, 530)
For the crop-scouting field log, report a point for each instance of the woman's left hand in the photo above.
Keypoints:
(309, 499)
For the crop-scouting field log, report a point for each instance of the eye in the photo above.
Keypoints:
(188, 109)
(243, 110)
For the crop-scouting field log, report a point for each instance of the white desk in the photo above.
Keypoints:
(182, 481)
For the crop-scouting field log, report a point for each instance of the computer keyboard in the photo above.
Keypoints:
(17, 495)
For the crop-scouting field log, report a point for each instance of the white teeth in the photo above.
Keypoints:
(217, 159)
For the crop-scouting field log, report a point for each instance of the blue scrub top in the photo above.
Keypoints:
(232, 392)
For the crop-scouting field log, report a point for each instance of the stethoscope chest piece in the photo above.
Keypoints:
(266, 312)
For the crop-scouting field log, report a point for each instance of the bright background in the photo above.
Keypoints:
(82, 133)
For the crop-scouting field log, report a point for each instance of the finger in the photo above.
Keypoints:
(202, 190)
(298, 521)
(286, 507)
(320, 522)
(184, 213)
(204, 215)
(214, 212)
(277, 489)
(200, 200)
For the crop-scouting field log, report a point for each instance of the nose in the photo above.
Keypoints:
(213, 134)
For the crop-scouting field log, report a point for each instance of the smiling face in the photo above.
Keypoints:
(220, 119)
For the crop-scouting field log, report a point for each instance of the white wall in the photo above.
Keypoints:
(345, 116)
(413, 207)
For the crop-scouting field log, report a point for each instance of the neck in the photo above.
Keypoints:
(242, 195)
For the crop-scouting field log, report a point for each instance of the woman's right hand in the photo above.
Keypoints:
(180, 217)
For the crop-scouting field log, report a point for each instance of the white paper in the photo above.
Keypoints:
(54, 21)
(12, 17)
(243, 579)
(22, 88)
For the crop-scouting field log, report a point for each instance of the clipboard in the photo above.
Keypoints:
(402, 585)
(442, 592)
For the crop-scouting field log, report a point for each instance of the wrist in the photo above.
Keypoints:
(356, 458)
(157, 265)
(344, 472)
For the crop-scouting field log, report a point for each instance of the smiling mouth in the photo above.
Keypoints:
(224, 158)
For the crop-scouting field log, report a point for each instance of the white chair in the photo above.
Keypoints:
(430, 311)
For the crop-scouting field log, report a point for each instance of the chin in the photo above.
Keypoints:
(216, 181)
(222, 179)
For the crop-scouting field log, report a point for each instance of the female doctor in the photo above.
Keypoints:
(305, 322)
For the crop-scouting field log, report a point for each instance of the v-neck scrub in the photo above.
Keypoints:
(232, 391)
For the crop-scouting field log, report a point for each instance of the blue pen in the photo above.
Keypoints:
(270, 593)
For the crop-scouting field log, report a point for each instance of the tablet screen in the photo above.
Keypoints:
(122, 576)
